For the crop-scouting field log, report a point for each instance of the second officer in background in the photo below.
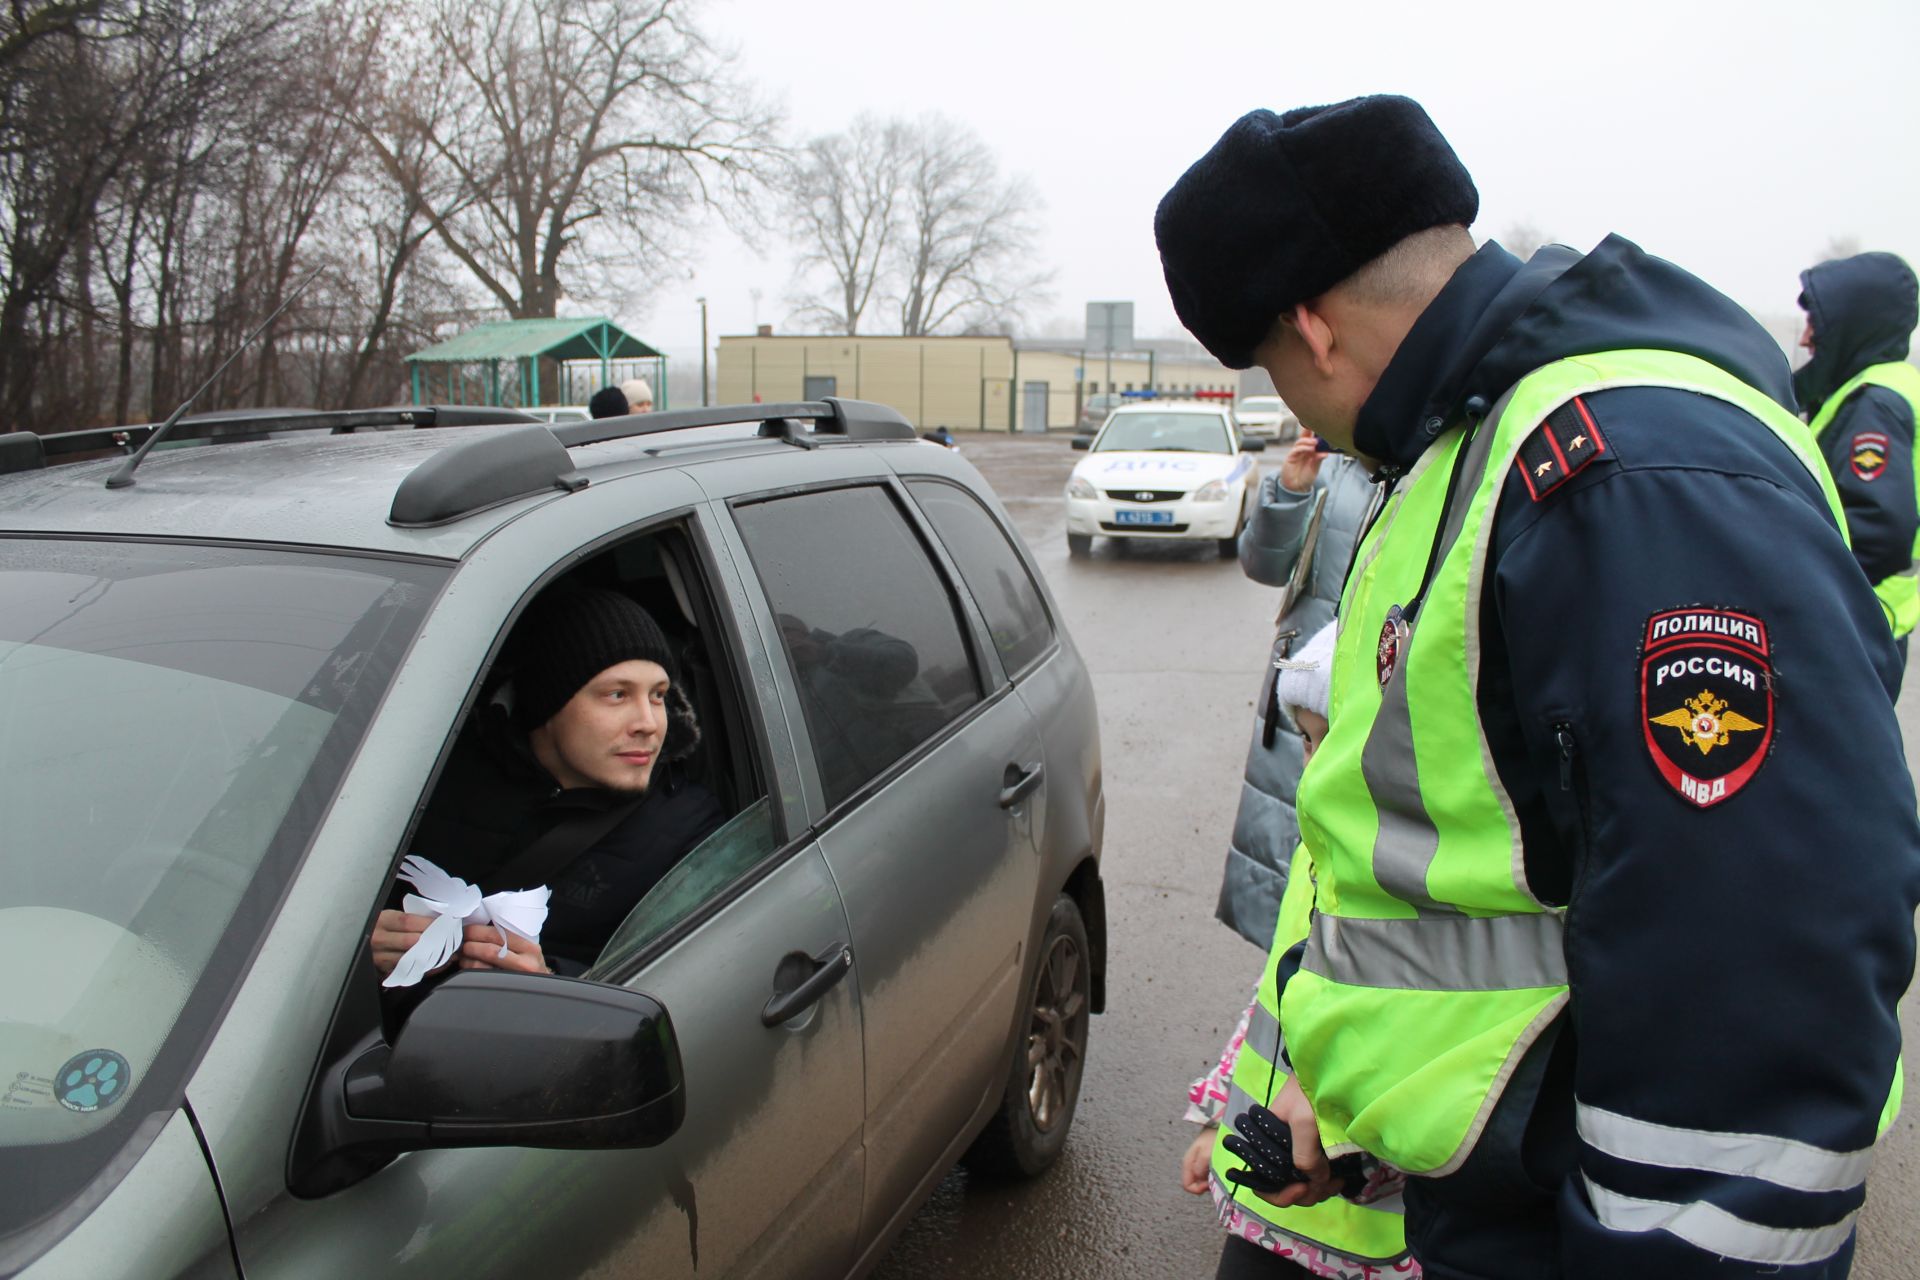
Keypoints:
(1863, 398)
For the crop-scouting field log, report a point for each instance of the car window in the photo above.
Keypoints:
(872, 630)
(173, 720)
(709, 868)
(1015, 612)
(1158, 432)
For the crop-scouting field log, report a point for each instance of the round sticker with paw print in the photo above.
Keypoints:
(92, 1080)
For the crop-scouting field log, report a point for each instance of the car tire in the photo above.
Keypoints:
(1080, 545)
(1229, 547)
(1029, 1130)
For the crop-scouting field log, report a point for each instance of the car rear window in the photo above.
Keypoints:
(870, 626)
(1006, 593)
(173, 722)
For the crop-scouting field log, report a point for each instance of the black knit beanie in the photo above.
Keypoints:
(571, 637)
(1284, 207)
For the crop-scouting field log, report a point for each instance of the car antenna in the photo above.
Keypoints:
(123, 477)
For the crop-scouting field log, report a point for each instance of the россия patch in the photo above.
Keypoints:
(1706, 700)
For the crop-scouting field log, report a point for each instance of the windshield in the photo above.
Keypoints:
(173, 720)
(1260, 404)
(1176, 432)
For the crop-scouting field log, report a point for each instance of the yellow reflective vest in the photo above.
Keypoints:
(1430, 967)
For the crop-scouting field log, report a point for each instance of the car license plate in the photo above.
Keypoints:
(1143, 517)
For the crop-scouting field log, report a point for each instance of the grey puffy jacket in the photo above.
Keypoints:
(1265, 830)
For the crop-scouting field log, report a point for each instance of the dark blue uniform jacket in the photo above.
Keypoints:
(1863, 310)
(1735, 958)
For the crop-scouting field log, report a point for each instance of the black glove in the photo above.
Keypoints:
(1264, 1142)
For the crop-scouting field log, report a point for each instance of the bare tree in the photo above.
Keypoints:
(579, 129)
(918, 214)
(968, 236)
(843, 198)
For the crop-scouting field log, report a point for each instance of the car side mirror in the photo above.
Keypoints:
(1082, 442)
(1252, 444)
(493, 1059)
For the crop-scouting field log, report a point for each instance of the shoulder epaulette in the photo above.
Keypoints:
(1560, 448)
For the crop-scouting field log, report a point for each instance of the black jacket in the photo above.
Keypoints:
(1734, 968)
(494, 800)
(1863, 310)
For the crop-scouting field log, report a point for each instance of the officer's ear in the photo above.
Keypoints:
(1315, 331)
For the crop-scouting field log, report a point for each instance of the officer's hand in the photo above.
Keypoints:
(1302, 464)
(1194, 1164)
(394, 933)
(1290, 1122)
(481, 950)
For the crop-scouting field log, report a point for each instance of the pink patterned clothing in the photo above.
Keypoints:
(1206, 1103)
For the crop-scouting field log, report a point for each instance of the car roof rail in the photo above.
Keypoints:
(492, 469)
(233, 426)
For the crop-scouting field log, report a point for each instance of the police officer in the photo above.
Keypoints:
(1863, 397)
(1615, 843)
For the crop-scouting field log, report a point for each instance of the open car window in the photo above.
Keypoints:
(716, 862)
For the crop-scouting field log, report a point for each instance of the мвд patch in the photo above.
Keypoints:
(1867, 455)
(1706, 700)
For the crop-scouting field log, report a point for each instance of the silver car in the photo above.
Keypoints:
(226, 694)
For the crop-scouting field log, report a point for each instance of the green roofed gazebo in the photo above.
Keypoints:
(521, 345)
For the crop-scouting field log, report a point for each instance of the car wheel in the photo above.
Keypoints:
(1079, 545)
(1043, 1085)
(1229, 547)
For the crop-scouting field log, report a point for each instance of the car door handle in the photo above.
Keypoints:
(1018, 782)
(831, 966)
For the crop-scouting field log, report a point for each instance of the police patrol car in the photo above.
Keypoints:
(1163, 469)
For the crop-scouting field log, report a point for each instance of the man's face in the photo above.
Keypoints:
(1806, 336)
(609, 733)
(643, 406)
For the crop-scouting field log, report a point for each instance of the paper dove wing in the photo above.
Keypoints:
(521, 911)
(454, 904)
(437, 944)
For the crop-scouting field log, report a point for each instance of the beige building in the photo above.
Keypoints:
(990, 383)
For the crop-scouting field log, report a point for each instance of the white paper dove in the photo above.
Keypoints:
(455, 904)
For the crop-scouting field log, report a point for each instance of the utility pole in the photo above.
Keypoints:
(703, 351)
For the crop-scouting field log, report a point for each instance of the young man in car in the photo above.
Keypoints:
(576, 787)
(1614, 838)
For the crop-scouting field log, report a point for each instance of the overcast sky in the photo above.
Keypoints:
(1738, 139)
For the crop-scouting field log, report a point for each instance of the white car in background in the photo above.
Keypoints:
(1163, 469)
(1266, 416)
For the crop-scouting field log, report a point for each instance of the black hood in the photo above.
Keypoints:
(1863, 311)
(1499, 319)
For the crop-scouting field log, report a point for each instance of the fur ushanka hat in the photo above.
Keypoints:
(1284, 207)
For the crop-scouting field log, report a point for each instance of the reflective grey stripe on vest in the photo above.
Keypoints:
(1238, 1100)
(1781, 1161)
(1404, 849)
(1709, 1227)
(1263, 1033)
(1440, 953)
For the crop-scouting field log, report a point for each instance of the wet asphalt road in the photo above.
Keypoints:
(1174, 637)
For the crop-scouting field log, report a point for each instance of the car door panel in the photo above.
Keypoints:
(938, 876)
(939, 884)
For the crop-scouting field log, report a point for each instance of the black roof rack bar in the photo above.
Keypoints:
(493, 469)
(228, 425)
(853, 419)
